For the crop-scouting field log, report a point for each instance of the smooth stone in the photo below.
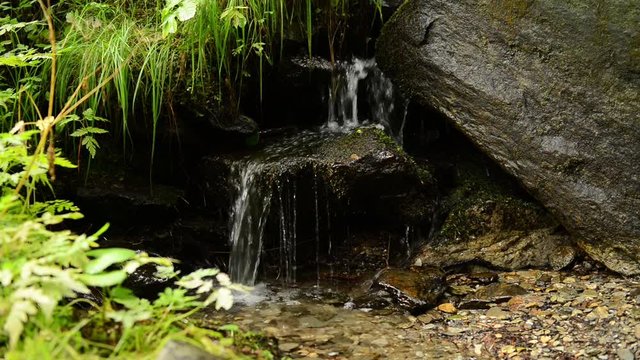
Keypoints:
(625, 354)
(496, 312)
(178, 350)
(286, 347)
(550, 90)
(415, 289)
(311, 322)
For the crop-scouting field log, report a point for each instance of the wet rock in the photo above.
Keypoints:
(550, 90)
(299, 171)
(496, 312)
(209, 112)
(485, 277)
(487, 221)
(507, 250)
(286, 347)
(311, 322)
(625, 354)
(178, 350)
(128, 202)
(491, 294)
(413, 290)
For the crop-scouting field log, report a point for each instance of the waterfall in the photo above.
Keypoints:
(260, 185)
(360, 76)
(249, 216)
(288, 232)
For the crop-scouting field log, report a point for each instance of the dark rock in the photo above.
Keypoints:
(202, 115)
(127, 202)
(415, 290)
(506, 250)
(488, 222)
(548, 89)
(178, 350)
(348, 167)
(491, 294)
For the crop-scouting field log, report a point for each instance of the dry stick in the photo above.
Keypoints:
(33, 103)
(51, 153)
(52, 41)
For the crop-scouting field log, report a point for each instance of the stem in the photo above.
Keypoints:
(52, 41)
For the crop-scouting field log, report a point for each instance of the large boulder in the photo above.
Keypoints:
(550, 89)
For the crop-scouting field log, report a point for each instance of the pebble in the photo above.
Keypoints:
(448, 308)
(569, 316)
(382, 342)
(496, 312)
(286, 347)
(625, 354)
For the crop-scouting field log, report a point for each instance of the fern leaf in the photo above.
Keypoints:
(18, 316)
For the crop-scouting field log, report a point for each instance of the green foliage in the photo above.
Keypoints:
(43, 272)
(152, 47)
(46, 270)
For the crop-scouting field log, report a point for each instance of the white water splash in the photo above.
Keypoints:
(347, 84)
(249, 217)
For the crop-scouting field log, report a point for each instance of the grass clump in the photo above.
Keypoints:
(160, 47)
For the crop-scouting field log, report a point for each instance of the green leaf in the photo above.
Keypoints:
(169, 25)
(90, 116)
(129, 317)
(67, 119)
(187, 10)
(16, 26)
(229, 327)
(105, 279)
(103, 258)
(18, 316)
(62, 162)
(234, 16)
(224, 299)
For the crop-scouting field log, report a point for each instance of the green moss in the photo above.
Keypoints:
(359, 143)
(479, 205)
(509, 11)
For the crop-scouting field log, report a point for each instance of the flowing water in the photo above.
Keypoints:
(356, 78)
(247, 223)
(254, 195)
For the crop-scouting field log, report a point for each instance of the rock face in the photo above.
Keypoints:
(550, 90)
(311, 188)
(347, 167)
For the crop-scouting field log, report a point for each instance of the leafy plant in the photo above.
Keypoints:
(46, 271)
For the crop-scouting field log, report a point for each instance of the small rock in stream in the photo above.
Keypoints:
(494, 293)
(496, 312)
(413, 290)
(286, 347)
(625, 354)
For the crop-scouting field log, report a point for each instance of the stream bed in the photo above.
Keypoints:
(556, 315)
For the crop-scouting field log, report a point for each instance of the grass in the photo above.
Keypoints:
(223, 44)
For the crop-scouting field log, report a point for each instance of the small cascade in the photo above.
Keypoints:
(360, 76)
(317, 232)
(248, 220)
(406, 241)
(287, 191)
(400, 136)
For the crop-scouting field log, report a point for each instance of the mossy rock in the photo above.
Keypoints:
(549, 89)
